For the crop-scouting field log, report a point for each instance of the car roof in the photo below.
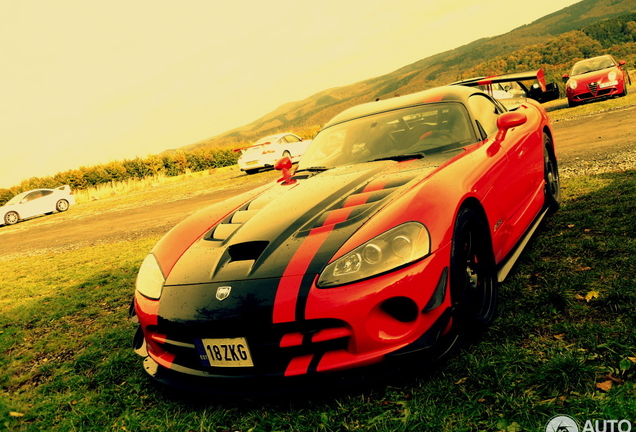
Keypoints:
(438, 94)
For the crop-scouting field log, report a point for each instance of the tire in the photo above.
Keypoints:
(287, 153)
(552, 188)
(11, 218)
(61, 205)
(572, 104)
(473, 277)
(251, 171)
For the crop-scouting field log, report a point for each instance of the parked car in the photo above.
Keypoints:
(513, 89)
(266, 151)
(596, 78)
(36, 202)
(388, 241)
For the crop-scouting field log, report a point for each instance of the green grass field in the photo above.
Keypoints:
(563, 343)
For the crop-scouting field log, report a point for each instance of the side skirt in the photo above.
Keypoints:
(506, 265)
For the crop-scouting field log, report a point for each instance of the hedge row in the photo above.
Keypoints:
(119, 171)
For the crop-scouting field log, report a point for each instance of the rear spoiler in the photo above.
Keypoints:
(521, 76)
(542, 93)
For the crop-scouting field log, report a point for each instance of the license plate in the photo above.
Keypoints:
(225, 352)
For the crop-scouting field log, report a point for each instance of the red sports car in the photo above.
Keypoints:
(390, 238)
(595, 78)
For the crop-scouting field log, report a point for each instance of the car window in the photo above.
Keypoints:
(424, 129)
(292, 138)
(32, 196)
(486, 113)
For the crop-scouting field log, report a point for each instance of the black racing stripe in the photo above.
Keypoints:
(303, 294)
(315, 361)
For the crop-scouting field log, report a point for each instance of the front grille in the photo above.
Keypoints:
(593, 87)
(272, 348)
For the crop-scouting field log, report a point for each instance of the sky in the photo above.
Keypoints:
(88, 82)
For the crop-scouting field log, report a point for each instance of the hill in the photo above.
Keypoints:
(552, 42)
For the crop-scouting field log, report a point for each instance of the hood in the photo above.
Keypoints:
(594, 75)
(261, 238)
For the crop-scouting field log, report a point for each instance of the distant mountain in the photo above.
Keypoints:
(551, 42)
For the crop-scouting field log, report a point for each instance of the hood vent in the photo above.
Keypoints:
(249, 251)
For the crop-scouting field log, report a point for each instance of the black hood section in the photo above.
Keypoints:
(258, 240)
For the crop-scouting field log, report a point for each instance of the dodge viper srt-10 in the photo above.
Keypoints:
(387, 242)
(595, 78)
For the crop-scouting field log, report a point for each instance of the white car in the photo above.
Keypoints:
(36, 202)
(266, 151)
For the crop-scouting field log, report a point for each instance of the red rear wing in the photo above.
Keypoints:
(520, 76)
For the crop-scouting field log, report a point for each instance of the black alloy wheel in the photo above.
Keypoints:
(473, 277)
(552, 188)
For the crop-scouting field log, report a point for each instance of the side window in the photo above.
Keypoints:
(486, 113)
(32, 196)
(291, 139)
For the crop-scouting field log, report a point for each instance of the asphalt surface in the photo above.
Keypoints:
(583, 138)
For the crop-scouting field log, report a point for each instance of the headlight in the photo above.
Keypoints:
(573, 84)
(150, 279)
(395, 248)
(611, 76)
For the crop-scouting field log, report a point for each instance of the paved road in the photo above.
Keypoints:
(595, 136)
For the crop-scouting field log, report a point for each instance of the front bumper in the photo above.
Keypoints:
(595, 91)
(344, 333)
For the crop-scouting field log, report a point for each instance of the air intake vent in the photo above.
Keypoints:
(247, 251)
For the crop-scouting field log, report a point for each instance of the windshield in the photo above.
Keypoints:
(591, 65)
(420, 130)
(16, 199)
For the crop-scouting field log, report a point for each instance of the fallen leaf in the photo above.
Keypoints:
(16, 414)
(559, 336)
(605, 385)
(571, 226)
(461, 381)
(632, 359)
(591, 295)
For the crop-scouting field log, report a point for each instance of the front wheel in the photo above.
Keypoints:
(552, 188)
(11, 218)
(473, 278)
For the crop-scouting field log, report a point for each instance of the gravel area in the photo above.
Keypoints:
(599, 163)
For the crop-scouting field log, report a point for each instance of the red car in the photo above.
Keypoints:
(596, 78)
(390, 238)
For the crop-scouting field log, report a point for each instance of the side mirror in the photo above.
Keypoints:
(507, 121)
(622, 63)
(284, 165)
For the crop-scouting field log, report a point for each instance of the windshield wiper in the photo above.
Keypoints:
(401, 157)
(313, 169)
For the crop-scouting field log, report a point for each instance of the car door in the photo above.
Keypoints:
(513, 177)
(35, 203)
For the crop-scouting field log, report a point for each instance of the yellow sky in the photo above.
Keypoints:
(87, 82)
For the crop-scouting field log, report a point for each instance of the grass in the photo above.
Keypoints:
(563, 344)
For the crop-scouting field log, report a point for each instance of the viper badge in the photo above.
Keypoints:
(223, 292)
